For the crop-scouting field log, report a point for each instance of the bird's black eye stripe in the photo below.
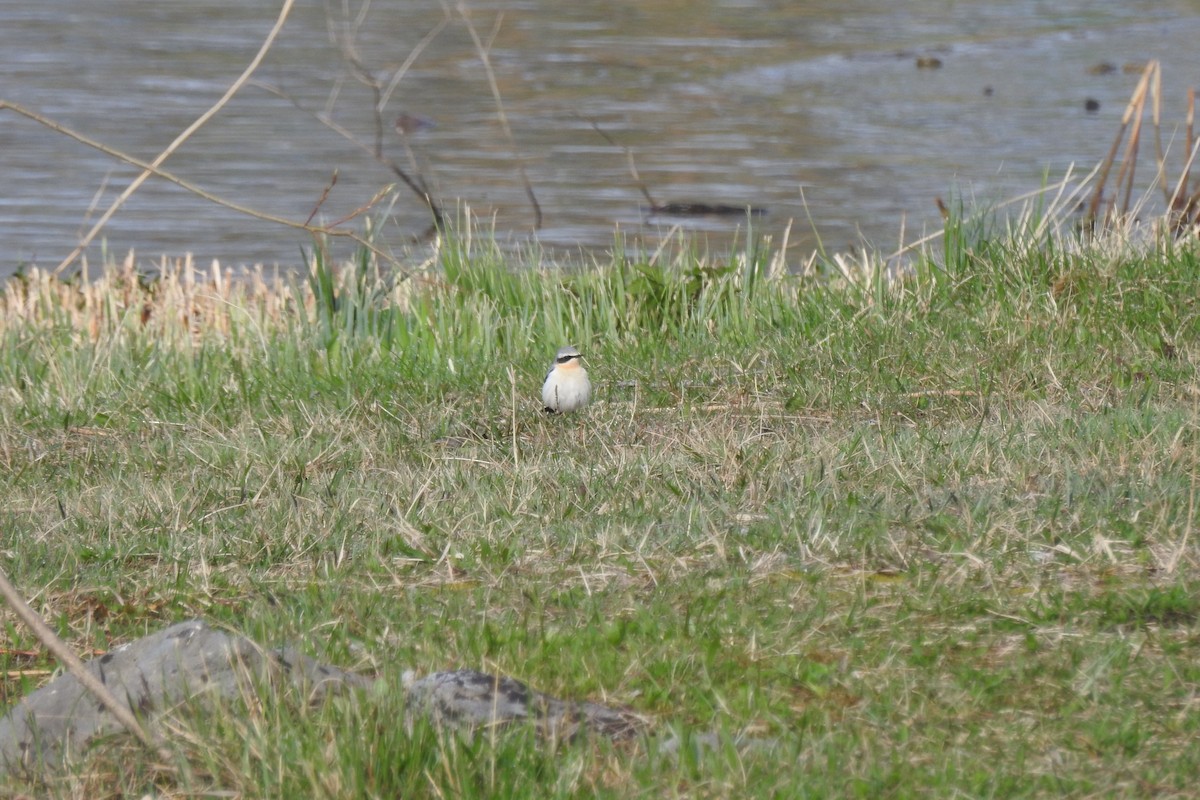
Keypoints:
(564, 359)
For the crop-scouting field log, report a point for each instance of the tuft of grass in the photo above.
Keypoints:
(881, 527)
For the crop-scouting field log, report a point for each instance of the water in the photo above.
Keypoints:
(814, 111)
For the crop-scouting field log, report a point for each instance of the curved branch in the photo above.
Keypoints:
(71, 662)
(416, 185)
(180, 139)
(196, 190)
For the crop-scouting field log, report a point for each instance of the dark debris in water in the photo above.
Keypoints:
(703, 210)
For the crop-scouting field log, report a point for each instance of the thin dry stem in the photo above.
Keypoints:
(1106, 164)
(181, 138)
(1179, 202)
(347, 43)
(1129, 161)
(484, 51)
(403, 69)
(191, 187)
(1156, 115)
(416, 185)
(73, 665)
(1062, 199)
(333, 179)
(1191, 138)
(637, 179)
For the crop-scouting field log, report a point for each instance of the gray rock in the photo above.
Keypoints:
(192, 661)
(189, 660)
(468, 698)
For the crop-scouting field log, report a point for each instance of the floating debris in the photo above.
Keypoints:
(704, 210)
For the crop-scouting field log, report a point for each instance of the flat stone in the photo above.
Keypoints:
(466, 698)
(193, 661)
(189, 660)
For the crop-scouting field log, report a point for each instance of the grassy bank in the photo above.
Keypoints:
(917, 529)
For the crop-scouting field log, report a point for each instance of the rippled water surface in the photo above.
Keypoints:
(816, 111)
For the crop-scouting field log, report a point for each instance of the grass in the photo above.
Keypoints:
(913, 529)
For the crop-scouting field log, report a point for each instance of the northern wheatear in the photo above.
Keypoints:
(567, 387)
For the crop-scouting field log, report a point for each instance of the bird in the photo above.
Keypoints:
(567, 387)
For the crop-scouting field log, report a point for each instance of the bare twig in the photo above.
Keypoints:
(637, 179)
(1129, 161)
(324, 196)
(347, 41)
(365, 207)
(348, 44)
(484, 51)
(181, 138)
(1179, 204)
(1156, 115)
(402, 70)
(345, 37)
(71, 662)
(415, 184)
(1191, 135)
(1135, 105)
